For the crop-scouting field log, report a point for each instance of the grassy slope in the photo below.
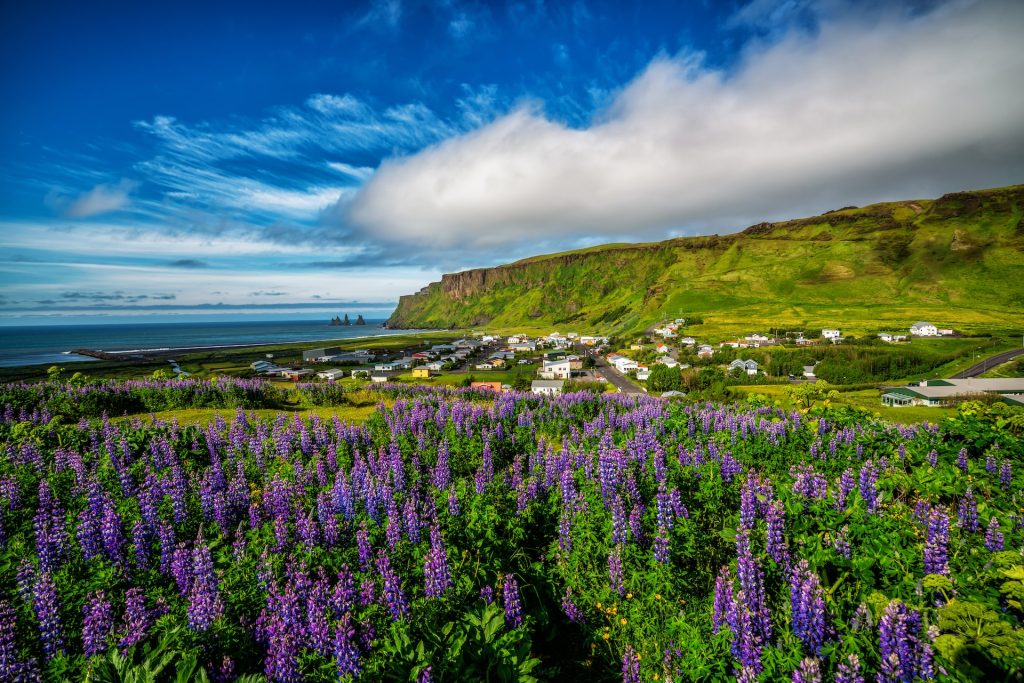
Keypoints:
(957, 261)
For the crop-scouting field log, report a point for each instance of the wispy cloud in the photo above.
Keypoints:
(190, 263)
(868, 105)
(101, 199)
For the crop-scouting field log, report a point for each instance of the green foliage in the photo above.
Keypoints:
(664, 378)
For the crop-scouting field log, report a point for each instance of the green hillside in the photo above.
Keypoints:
(957, 261)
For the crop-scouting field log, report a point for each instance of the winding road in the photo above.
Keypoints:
(988, 364)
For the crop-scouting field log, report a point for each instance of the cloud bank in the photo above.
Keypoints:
(863, 108)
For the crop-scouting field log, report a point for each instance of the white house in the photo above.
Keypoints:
(831, 335)
(643, 372)
(436, 366)
(555, 369)
(809, 372)
(485, 366)
(624, 365)
(549, 387)
(945, 332)
(923, 329)
(705, 351)
(885, 336)
(688, 341)
(331, 374)
(380, 376)
(668, 361)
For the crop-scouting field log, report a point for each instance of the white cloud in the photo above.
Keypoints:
(867, 107)
(101, 199)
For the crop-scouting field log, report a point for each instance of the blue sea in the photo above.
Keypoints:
(32, 345)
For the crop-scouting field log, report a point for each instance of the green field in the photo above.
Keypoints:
(867, 399)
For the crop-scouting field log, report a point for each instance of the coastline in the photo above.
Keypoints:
(131, 354)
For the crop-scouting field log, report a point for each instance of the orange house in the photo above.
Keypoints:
(493, 386)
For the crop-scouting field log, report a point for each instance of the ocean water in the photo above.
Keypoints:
(50, 343)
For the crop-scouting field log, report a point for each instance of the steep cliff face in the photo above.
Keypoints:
(962, 251)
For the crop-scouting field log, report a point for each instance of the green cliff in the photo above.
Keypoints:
(957, 261)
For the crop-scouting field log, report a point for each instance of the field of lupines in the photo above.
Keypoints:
(459, 535)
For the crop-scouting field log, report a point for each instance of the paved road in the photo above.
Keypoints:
(988, 364)
(617, 379)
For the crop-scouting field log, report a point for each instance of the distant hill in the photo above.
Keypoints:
(957, 261)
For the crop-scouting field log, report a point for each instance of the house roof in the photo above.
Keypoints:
(547, 384)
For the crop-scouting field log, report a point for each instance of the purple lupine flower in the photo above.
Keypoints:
(343, 599)
(849, 671)
(808, 483)
(346, 652)
(12, 668)
(88, 532)
(630, 665)
(846, 484)
(619, 533)
(571, 610)
(393, 595)
(861, 618)
(367, 592)
(46, 603)
(933, 459)
(99, 623)
(993, 536)
(425, 675)
(751, 584)
(487, 594)
(204, 602)
(50, 531)
(365, 548)
(661, 545)
(961, 460)
(453, 503)
(1006, 475)
(724, 606)
(510, 598)
(137, 617)
(807, 604)
(904, 653)
(114, 541)
(435, 567)
(990, 463)
(615, 571)
(841, 543)
(936, 548)
(967, 513)
(748, 502)
(868, 485)
(809, 671)
(565, 531)
(775, 518)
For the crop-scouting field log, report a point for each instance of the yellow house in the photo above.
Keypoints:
(420, 373)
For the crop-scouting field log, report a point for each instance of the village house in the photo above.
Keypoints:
(265, 367)
(643, 372)
(687, 341)
(380, 376)
(662, 348)
(487, 365)
(834, 336)
(668, 361)
(555, 369)
(422, 372)
(331, 374)
(492, 386)
(940, 392)
(530, 346)
(809, 372)
(923, 329)
(748, 366)
(320, 355)
(296, 375)
(549, 387)
(705, 351)
(624, 364)
(435, 366)
(590, 340)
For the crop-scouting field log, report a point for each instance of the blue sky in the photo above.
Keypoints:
(156, 158)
